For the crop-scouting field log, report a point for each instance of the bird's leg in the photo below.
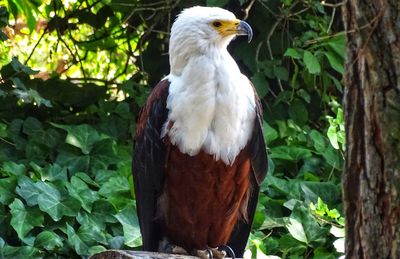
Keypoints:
(167, 247)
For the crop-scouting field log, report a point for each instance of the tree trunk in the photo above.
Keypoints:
(371, 181)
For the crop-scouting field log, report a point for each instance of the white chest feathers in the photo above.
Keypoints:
(213, 110)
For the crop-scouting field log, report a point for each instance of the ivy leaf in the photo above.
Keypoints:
(19, 67)
(73, 162)
(28, 190)
(261, 84)
(80, 191)
(81, 136)
(311, 62)
(127, 217)
(75, 241)
(50, 201)
(114, 185)
(7, 187)
(296, 229)
(23, 220)
(54, 172)
(32, 126)
(48, 240)
(270, 133)
(13, 168)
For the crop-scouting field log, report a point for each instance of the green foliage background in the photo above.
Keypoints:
(73, 76)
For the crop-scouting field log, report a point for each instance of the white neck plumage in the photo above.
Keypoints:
(211, 103)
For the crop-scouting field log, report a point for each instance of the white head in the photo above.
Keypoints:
(202, 31)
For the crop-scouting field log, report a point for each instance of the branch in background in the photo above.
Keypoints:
(247, 9)
(34, 48)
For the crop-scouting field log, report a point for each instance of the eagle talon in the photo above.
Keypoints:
(227, 250)
(210, 253)
(166, 247)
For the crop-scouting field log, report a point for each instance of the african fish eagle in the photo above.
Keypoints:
(199, 153)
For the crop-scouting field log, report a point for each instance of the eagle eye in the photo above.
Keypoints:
(217, 24)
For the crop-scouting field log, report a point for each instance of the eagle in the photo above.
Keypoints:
(199, 153)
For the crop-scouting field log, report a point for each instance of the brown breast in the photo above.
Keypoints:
(203, 198)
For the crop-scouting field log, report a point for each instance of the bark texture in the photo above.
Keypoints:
(371, 182)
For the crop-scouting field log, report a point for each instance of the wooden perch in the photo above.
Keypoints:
(125, 254)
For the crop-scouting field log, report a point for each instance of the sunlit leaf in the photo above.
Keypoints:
(127, 217)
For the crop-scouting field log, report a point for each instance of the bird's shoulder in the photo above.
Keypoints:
(155, 101)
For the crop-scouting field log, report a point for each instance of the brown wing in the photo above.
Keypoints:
(150, 153)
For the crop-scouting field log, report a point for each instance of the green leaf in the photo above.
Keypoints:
(7, 187)
(76, 242)
(13, 168)
(3, 37)
(333, 157)
(32, 126)
(315, 234)
(80, 191)
(74, 163)
(270, 133)
(127, 217)
(332, 136)
(24, 220)
(48, 240)
(3, 130)
(338, 44)
(50, 201)
(327, 191)
(22, 252)
(96, 249)
(298, 112)
(335, 62)
(115, 184)
(261, 84)
(81, 136)
(54, 172)
(19, 67)
(91, 236)
(14, 133)
(304, 95)
(290, 153)
(281, 73)
(296, 229)
(3, 16)
(311, 62)
(290, 52)
(318, 140)
(28, 190)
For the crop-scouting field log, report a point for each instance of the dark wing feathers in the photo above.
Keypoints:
(259, 164)
(258, 149)
(148, 163)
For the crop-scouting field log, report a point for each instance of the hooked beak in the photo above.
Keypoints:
(233, 27)
(244, 29)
